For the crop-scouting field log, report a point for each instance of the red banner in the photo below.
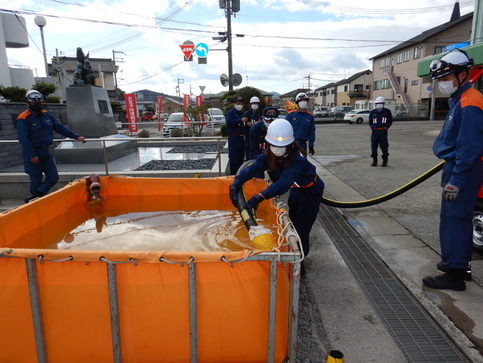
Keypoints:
(186, 103)
(160, 111)
(201, 115)
(132, 112)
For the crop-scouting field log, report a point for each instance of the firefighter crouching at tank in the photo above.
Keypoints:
(303, 123)
(235, 127)
(460, 144)
(289, 169)
(35, 128)
(259, 131)
(253, 115)
(380, 120)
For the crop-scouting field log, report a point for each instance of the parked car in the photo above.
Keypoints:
(164, 116)
(478, 224)
(357, 116)
(282, 113)
(147, 116)
(215, 117)
(175, 121)
(321, 111)
(338, 112)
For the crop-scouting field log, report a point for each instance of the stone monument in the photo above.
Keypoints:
(89, 114)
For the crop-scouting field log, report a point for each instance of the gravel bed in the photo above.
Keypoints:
(202, 164)
(194, 149)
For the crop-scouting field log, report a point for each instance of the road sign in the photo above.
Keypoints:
(429, 88)
(187, 48)
(201, 50)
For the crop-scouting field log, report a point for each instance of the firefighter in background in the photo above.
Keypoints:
(235, 127)
(35, 132)
(259, 130)
(303, 123)
(380, 120)
(253, 115)
(460, 144)
(289, 169)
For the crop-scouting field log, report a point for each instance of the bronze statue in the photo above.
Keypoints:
(84, 73)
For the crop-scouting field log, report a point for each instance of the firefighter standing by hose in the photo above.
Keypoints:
(380, 120)
(253, 115)
(460, 144)
(235, 127)
(288, 167)
(303, 123)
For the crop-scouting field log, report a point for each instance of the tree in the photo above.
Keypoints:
(247, 93)
(194, 115)
(13, 94)
(47, 89)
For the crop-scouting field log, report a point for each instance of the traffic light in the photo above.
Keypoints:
(235, 6)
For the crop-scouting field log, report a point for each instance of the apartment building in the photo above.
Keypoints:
(395, 75)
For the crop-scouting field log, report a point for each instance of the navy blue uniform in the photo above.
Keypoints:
(257, 139)
(303, 124)
(235, 128)
(460, 144)
(380, 121)
(253, 117)
(306, 190)
(35, 134)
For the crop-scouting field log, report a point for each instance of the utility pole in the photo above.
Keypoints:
(115, 67)
(229, 49)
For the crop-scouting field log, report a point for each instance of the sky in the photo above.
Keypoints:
(278, 46)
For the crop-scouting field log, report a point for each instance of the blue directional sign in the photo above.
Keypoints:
(201, 50)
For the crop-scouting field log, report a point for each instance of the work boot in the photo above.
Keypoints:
(34, 196)
(453, 280)
(374, 162)
(444, 268)
(384, 162)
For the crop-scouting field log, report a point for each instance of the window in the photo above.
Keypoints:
(346, 88)
(414, 83)
(399, 58)
(381, 63)
(407, 55)
(358, 88)
(388, 61)
(332, 91)
(439, 49)
(398, 79)
(385, 84)
(377, 85)
(417, 52)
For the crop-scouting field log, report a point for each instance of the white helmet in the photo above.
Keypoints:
(254, 99)
(380, 99)
(454, 62)
(280, 133)
(34, 96)
(301, 96)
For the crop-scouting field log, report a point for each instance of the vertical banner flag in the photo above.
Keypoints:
(132, 112)
(160, 111)
(201, 115)
(186, 102)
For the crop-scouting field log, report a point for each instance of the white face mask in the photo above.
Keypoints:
(278, 151)
(303, 105)
(267, 123)
(447, 88)
(238, 107)
(254, 107)
(379, 106)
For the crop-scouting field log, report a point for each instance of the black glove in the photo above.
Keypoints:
(311, 151)
(253, 203)
(234, 196)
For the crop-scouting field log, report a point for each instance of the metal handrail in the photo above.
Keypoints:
(155, 139)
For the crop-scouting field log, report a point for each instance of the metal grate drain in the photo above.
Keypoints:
(415, 332)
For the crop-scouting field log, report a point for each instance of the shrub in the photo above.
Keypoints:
(13, 94)
(144, 134)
